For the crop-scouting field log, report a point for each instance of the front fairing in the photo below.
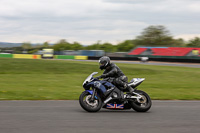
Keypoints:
(89, 81)
(87, 86)
(89, 78)
(100, 85)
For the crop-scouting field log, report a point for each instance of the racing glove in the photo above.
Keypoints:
(102, 76)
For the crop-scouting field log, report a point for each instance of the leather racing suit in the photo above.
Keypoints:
(114, 75)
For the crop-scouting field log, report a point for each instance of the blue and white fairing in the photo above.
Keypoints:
(89, 81)
(93, 82)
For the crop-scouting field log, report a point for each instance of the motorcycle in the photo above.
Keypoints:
(103, 94)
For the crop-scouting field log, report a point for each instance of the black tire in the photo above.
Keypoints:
(142, 107)
(83, 100)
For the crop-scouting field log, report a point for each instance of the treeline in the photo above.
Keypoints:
(154, 36)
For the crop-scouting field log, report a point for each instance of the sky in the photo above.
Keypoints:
(90, 21)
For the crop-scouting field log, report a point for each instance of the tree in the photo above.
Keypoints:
(76, 46)
(95, 46)
(194, 42)
(38, 46)
(179, 42)
(155, 36)
(62, 45)
(26, 45)
(125, 46)
(45, 45)
(107, 47)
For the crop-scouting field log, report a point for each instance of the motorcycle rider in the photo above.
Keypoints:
(112, 71)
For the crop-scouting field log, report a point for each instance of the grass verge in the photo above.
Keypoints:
(26, 79)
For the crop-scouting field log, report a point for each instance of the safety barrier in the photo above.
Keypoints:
(189, 59)
(71, 57)
(30, 56)
(26, 56)
(81, 57)
(36, 56)
(6, 55)
(64, 57)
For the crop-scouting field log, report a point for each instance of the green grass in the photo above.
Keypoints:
(27, 79)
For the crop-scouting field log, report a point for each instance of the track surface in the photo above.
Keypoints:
(194, 65)
(69, 117)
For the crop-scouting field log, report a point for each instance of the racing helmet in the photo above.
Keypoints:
(104, 62)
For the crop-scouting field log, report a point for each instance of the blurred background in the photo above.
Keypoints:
(154, 42)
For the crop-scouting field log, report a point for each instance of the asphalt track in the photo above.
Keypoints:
(68, 117)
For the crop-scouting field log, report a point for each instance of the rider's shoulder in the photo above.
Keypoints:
(113, 65)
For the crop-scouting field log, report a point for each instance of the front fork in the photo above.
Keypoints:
(93, 95)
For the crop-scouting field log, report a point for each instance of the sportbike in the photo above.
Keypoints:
(103, 94)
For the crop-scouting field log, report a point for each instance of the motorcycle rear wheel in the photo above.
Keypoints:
(87, 104)
(143, 104)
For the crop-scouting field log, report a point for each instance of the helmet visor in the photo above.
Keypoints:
(101, 64)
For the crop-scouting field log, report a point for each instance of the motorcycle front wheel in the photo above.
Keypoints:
(89, 105)
(143, 104)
